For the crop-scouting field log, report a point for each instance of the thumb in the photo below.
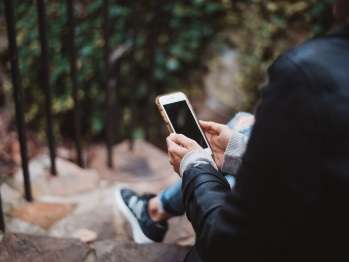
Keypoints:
(211, 127)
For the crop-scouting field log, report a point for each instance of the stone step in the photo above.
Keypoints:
(80, 202)
(23, 248)
(95, 211)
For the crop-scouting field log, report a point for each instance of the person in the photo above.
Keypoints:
(148, 214)
(292, 188)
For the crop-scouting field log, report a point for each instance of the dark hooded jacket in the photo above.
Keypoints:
(291, 198)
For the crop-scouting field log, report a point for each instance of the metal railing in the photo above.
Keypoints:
(45, 82)
(2, 219)
(17, 95)
(46, 88)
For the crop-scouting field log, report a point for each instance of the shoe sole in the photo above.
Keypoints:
(138, 236)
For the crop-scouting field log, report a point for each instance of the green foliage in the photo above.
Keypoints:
(262, 30)
(167, 41)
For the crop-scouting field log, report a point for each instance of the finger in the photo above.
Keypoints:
(175, 149)
(181, 140)
(211, 127)
(175, 159)
(210, 138)
(172, 158)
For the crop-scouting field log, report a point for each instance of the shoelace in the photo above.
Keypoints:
(136, 205)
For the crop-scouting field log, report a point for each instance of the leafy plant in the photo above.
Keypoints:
(166, 44)
(164, 47)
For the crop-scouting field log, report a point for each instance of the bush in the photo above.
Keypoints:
(167, 42)
(262, 30)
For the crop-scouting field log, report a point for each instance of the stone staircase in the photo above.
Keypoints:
(24, 248)
(74, 216)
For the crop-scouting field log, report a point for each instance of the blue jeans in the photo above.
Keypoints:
(171, 197)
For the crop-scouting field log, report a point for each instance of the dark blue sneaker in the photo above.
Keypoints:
(135, 208)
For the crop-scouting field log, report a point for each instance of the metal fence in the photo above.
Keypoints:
(46, 89)
(2, 220)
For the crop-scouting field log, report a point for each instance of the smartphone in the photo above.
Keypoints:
(180, 118)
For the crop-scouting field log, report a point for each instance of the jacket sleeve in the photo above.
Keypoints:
(237, 223)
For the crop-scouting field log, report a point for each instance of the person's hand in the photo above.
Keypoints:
(218, 136)
(177, 147)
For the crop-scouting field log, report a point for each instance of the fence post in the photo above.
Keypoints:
(45, 81)
(108, 85)
(134, 80)
(73, 69)
(2, 219)
(17, 95)
(152, 37)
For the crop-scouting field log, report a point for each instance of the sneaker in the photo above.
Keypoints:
(135, 209)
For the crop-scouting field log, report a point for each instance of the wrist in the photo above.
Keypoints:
(233, 153)
(194, 158)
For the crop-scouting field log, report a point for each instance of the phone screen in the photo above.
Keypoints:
(183, 122)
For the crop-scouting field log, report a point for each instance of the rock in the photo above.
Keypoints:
(223, 90)
(71, 179)
(73, 183)
(15, 225)
(145, 167)
(180, 232)
(121, 251)
(9, 153)
(85, 235)
(221, 81)
(122, 227)
(97, 211)
(137, 166)
(98, 220)
(21, 247)
(10, 197)
(42, 214)
(64, 153)
(95, 207)
(24, 248)
(94, 211)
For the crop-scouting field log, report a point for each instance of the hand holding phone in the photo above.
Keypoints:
(218, 136)
(178, 146)
(180, 118)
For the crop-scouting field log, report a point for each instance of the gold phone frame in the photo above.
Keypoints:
(167, 120)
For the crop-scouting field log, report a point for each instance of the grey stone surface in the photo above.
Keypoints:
(180, 232)
(221, 83)
(121, 251)
(98, 220)
(19, 226)
(42, 214)
(158, 173)
(26, 248)
(10, 197)
(71, 178)
(94, 211)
